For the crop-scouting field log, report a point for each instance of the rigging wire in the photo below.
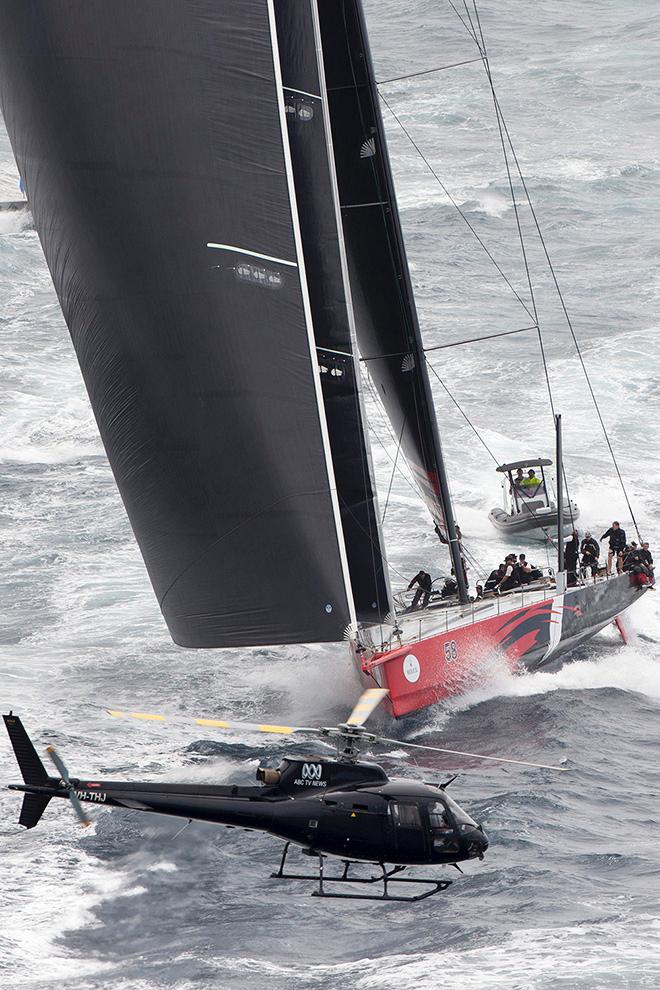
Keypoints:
(426, 72)
(504, 131)
(476, 563)
(398, 451)
(472, 340)
(560, 296)
(549, 538)
(455, 205)
(442, 347)
(471, 31)
(374, 395)
(464, 414)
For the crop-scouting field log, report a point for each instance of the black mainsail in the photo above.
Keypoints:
(152, 140)
(386, 319)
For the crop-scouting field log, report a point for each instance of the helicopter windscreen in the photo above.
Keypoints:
(462, 817)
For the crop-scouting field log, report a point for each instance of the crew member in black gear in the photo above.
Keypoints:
(523, 569)
(441, 536)
(424, 583)
(617, 538)
(494, 578)
(631, 559)
(527, 572)
(646, 556)
(590, 550)
(631, 555)
(536, 572)
(571, 551)
(449, 588)
(509, 579)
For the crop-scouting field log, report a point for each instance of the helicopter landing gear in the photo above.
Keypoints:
(386, 878)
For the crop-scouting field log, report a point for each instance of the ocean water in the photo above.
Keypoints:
(568, 893)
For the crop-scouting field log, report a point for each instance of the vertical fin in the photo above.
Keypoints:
(33, 808)
(31, 767)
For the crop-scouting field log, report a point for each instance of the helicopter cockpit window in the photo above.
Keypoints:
(405, 815)
(438, 816)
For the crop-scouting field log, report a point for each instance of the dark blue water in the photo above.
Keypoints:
(567, 895)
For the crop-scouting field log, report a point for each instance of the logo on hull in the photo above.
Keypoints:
(411, 668)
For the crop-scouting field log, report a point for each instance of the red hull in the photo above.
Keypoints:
(434, 668)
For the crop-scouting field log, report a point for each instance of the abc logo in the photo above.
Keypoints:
(311, 771)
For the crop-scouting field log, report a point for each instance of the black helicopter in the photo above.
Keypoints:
(330, 806)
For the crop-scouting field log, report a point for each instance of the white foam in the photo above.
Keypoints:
(57, 895)
(610, 953)
(634, 668)
(606, 954)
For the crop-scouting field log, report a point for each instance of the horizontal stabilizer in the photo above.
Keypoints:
(33, 770)
(33, 808)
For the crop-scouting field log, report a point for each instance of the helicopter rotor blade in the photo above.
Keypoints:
(64, 774)
(476, 756)
(367, 703)
(215, 723)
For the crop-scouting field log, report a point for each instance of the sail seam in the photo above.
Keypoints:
(311, 340)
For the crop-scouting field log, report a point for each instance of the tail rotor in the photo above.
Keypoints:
(66, 780)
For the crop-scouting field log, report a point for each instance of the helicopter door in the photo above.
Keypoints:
(409, 835)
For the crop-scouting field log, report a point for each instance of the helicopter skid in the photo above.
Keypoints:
(386, 878)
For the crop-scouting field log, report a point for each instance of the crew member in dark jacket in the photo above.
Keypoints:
(646, 556)
(571, 558)
(424, 582)
(632, 557)
(590, 550)
(617, 538)
(509, 579)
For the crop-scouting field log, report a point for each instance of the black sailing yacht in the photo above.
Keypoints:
(212, 191)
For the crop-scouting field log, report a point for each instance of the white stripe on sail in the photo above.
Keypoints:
(302, 92)
(253, 254)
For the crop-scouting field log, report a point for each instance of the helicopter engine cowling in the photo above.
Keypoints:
(311, 774)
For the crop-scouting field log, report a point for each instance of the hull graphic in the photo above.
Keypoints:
(430, 669)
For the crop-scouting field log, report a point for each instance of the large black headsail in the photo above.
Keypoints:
(310, 141)
(151, 137)
(386, 319)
